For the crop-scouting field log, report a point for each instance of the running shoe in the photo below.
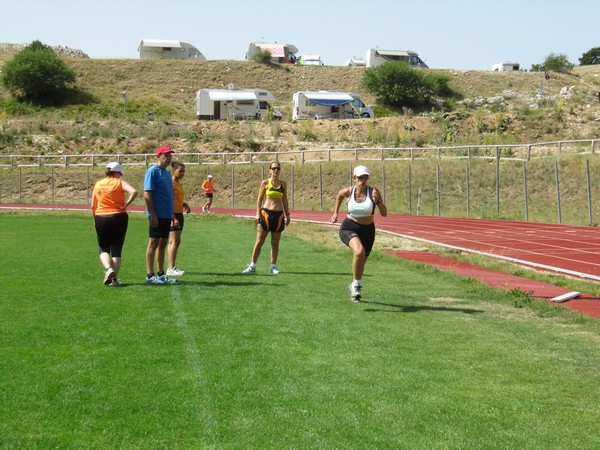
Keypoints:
(273, 269)
(154, 280)
(115, 283)
(109, 276)
(175, 272)
(249, 269)
(355, 293)
(165, 279)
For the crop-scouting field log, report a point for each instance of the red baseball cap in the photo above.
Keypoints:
(164, 150)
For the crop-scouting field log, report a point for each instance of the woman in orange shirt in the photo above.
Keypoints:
(178, 209)
(209, 191)
(109, 209)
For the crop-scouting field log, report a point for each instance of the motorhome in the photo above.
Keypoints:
(378, 56)
(240, 104)
(280, 53)
(506, 66)
(355, 62)
(168, 49)
(310, 60)
(329, 104)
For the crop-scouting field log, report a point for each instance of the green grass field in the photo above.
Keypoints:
(227, 361)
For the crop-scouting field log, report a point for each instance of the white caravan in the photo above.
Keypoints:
(310, 60)
(378, 56)
(355, 62)
(280, 53)
(213, 104)
(507, 66)
(329, 104)
(168, 49)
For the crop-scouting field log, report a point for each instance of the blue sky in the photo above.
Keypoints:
(463, 34)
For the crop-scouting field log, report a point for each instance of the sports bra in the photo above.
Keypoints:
(363, 209)
(272, 191)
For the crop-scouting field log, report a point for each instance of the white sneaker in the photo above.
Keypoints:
(355, 293)
(273, 269)
(154, 280)
(249, 269)
(109, 276)
(204, 209)
(175, 272)
(165, 279)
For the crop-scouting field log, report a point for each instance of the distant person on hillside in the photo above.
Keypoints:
(177, 227)
(209, 191)
(109, 209)
(357, 231)
(158, 194)
(272, 215)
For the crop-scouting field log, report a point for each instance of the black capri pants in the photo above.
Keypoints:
(111, 231)
(366, 233)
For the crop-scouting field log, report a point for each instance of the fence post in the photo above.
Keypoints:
(557, 191)
(409, 189)
(52, 183)
(383, 181)
(293, 185)
(87, 185)
(525, 191)
(233, 185)
(20, 183)
(589, 190)
(529, 152)
(320, 187)
(438, 190)
(468, 190)
(497, 181)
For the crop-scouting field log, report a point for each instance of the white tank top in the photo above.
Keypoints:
(364, 209)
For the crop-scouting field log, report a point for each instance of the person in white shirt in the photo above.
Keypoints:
(357, 231)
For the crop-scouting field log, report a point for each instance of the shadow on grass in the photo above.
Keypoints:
(414, 309)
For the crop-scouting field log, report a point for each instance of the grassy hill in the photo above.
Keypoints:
(491, 108)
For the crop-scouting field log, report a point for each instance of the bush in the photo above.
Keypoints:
(554, 62)
(36, 74)
(263, 57)
(398, 85)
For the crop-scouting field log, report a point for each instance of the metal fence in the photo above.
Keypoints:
(521, 182)
(523, 152)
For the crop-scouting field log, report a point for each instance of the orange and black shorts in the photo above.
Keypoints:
(273, 221)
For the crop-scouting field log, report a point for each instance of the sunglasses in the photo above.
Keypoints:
(275, 168)
(363, 177)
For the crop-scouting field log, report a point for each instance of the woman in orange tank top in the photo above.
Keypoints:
(109, 209)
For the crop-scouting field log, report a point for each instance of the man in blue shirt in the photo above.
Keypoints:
(158, 194)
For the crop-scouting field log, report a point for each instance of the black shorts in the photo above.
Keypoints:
(271, 220)
(111, 231)
(179, 217)
(366, 233)
(208, 195)
(162, 230)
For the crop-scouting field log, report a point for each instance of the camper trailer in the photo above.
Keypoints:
(310, 60)
(329, 104)
(280, 53)
(506, 66)
(214, 104)
(378, 56)
(168, 49)
(355, 62)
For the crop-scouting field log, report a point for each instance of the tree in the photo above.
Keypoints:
(590, 58)
(38, 75)
(554, 62)
(396, 84)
